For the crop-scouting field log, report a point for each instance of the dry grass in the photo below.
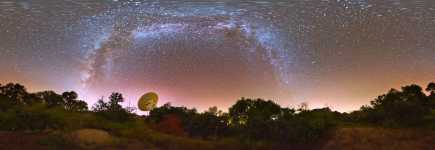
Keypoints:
(92, 137)
(381, 139)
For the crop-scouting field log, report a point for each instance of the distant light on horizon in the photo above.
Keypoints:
(339, 54)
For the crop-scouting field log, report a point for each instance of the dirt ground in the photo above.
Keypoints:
(340, 139)
(380, 139)
(21, 141)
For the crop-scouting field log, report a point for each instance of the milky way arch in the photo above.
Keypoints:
(110, 34)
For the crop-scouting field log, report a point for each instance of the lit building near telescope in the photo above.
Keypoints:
(332, 53)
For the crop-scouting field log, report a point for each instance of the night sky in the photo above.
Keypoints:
(336, 53)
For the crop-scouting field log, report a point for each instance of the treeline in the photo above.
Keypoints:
(247, 120)
(408, 107)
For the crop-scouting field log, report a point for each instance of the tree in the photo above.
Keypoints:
(245, 111)
(407, 107)
(431, 88)
(16, 93)
(209, 124)
(100, 106)
(413, 93)
(112, 110)
(214, 110)
(69, 96)
(71, 102)
(51, 98)
(114, 100)
(255, 117)
(303, 107)
(111, 106)
(239, 112)
(79, 106)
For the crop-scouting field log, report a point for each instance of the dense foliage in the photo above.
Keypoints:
(248, 120)
(408, 107)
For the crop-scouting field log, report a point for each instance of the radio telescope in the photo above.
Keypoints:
(148, 101)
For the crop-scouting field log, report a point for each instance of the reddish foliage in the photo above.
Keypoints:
(171, 124)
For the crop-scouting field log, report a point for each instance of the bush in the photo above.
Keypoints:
(409, 107)
(35, 117)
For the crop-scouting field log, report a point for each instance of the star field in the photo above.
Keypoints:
(337, 53)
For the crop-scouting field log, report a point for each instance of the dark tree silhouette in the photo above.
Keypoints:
(431, 88)
(251, 112)
(112, 110)
(112, 106)
(408, 107)
(51, 99)
(100, 106)
(71, 102)
(114, 101)
(255, 117)
(16, 93)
